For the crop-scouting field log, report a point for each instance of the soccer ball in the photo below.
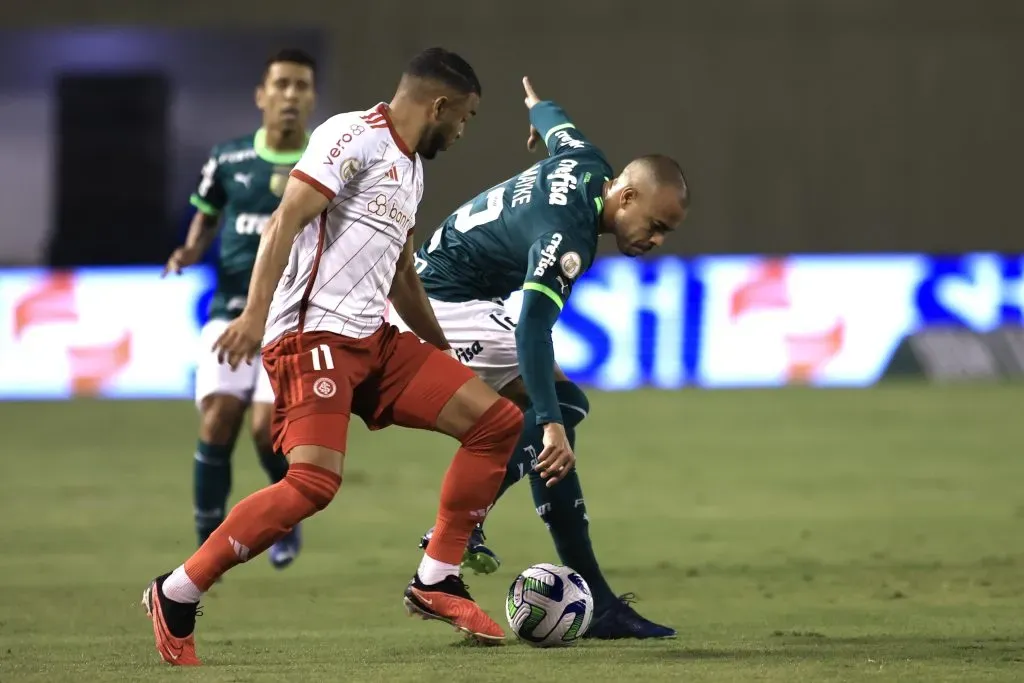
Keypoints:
(549, 606)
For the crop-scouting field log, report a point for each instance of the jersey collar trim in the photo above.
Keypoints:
(384, 111)
(259, 143)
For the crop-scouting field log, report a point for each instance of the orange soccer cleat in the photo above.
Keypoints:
(450, 602)
(173, 625)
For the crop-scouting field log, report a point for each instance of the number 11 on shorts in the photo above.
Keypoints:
(322, 352)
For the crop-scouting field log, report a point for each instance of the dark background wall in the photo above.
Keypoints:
(828, 125)
(209, 78)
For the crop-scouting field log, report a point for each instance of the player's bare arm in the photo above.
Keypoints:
(300, 204)
(201, 232)
(410, 300)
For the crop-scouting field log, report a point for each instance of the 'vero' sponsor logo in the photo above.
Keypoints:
(335, 151)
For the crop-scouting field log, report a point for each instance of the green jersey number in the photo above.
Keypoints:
(466, 220)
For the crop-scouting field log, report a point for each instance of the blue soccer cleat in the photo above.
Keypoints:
(284, 552)
(477, 557)
(620, 620)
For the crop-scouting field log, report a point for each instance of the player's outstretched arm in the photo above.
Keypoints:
(552, 268)
(300, 204)
(410, 301)
(537, 354)
(537, 366)
(209, 200)
(550, 124)
(201, 232)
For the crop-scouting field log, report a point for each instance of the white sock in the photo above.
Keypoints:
(432, 571)
(179, 588)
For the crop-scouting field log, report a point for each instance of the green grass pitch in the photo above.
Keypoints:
(792, 535)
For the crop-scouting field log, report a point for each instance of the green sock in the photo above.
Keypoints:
(273, 462)
(562, 506)
(211, 485)
(564, 512)
(525, 455)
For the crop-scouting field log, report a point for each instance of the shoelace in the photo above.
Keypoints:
(626, 601)
(461, 585)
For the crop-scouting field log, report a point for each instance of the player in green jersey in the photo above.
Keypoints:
(239, 188)
(538, 231)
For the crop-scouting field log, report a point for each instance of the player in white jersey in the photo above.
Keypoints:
(335, 250)
(339, 270)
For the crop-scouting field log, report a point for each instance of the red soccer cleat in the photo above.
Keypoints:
(170, 618)
(450, 602)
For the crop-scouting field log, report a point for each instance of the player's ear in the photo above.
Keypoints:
(259, 96)
(440, 106)
(628, 196)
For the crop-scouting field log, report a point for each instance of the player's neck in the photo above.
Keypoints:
(281, 140)
(404, 120)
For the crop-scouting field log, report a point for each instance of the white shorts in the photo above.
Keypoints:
(483, 335)
(247, 382)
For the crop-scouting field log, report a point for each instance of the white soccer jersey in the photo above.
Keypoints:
(342, 264)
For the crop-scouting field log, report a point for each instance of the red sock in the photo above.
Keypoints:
(473, 478)
(259, 520)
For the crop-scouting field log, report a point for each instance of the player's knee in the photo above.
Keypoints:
(221, 418)
(497, 430)
(261, 436)
(574, 403)
(262, 442)
(317, 484)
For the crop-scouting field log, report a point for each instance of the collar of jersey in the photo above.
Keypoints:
(259, 143)
(598, 202)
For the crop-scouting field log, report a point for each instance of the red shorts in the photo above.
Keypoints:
(390, 377)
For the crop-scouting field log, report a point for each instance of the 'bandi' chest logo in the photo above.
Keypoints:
(380, 206)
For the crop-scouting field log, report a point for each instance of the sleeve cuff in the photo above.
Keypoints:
(203, 205)
(546, 291)
(314, 183)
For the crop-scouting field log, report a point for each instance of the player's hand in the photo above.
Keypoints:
(557, 458)
(531, 94)
(531, 142)
(181, 258)
(239, 341)
(530, 100)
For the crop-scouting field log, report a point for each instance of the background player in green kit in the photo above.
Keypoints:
(538, 231)
(239, 187)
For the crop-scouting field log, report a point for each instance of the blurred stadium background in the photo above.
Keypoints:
(852, 271)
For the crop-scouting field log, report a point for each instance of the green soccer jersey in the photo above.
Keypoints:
(537, 230)
(242, 183)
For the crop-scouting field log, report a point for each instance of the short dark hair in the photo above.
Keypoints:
(667, 171)
(289, 54)
(447, 67)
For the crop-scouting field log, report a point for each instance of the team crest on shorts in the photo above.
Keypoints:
(324, 387)
(570, 264)
(278, 179)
